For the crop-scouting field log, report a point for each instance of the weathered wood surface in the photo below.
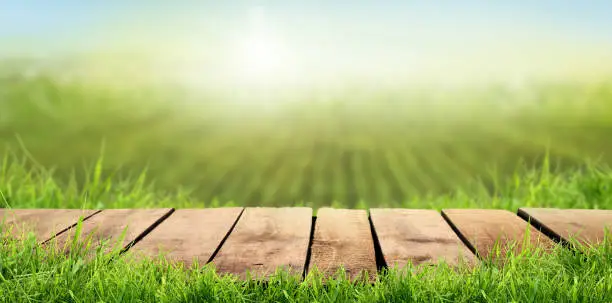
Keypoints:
(587, 226)
(419, 237)
(109, 225)
(491, 232)
(343, 239)
(43, 223)
(189, 234)
(264, 240)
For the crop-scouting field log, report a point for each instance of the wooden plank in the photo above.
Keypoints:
(490, 229)
(343, 238)
(587, 226)
(110, 224)
(43, 223)
(189, 234)
(264, 240)
(419, 237)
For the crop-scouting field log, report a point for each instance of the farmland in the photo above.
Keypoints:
(344, 147)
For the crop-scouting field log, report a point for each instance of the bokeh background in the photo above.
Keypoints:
(319, 102)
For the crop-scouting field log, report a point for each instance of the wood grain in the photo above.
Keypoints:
(587, 226)
(343, 238)
(43, 223)
(110, 224)
(264, 240)
(189, 234)
(491, 230)
(419, 237)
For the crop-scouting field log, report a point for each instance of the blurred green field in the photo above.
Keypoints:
(348, 146)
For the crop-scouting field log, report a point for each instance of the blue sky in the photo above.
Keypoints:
(342, 31)
(38, 19)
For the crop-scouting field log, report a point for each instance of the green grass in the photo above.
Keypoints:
(23, 185)
(29, 273)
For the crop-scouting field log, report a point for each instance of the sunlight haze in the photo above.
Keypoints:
(277, 43)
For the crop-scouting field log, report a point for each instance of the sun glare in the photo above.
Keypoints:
(263, 58)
